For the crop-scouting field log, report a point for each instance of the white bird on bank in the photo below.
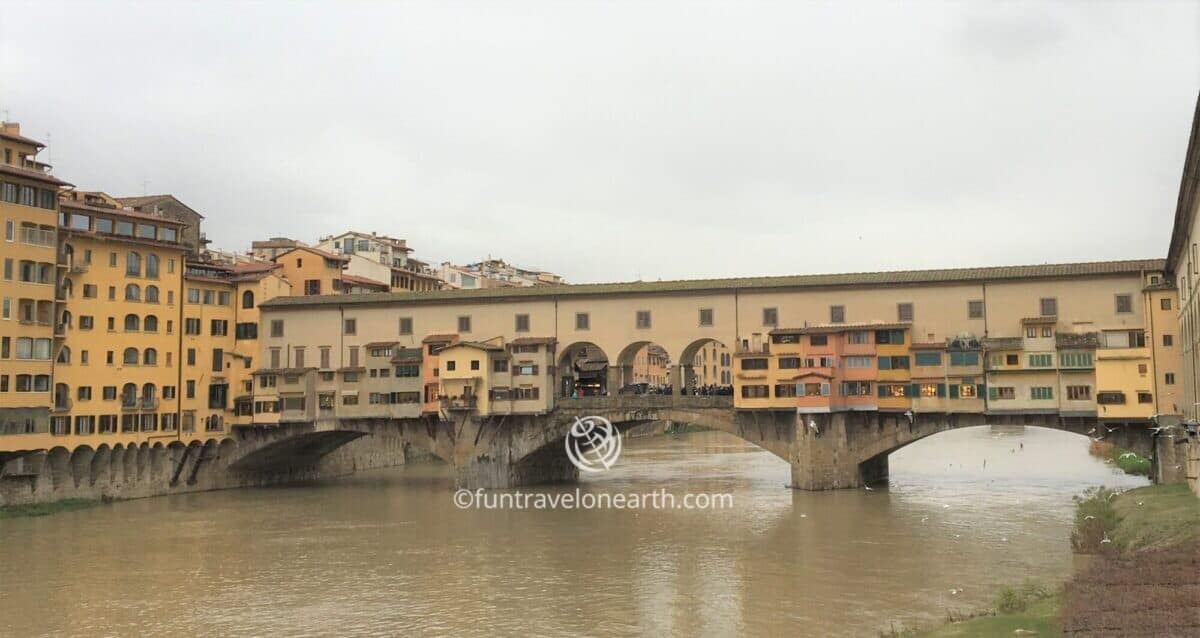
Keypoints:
(909, 414)
(1127, 455)
(812, 425)
(871, 489)
(1106, 539)
(1088, 517)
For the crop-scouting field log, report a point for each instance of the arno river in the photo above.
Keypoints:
(388, 553)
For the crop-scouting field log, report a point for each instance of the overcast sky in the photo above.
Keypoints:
(630, 141)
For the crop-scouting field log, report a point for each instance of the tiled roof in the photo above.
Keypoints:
(137, 202)
(35, 175)
(17, 137)
(315, 251)
(363, 281)
(1003, 343)
(533, 341)
(438, 338)
(479, 345)
(74, 204)
(870, 279)
(381, 344)
(931, 345)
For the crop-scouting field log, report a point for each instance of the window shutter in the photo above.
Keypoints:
(880, 387)
(824, 389)
(993, 394)
(941, 389)
(914, 390)
(980, 388)
(954, 391)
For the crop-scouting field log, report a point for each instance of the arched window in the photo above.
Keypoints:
(150, 357)
(64, 355)
(131, 324)
(65, 319)
(148, 393)
(152, 266)
(248, 299)
(132, 292)
(150, 324)
(151, 294)
(62, 395)
(129, 394)
(67, 288)
(133, 263)
(131, 356)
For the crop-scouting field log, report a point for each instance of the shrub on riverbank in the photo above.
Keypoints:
(1095, 520)
(1129, 462)
(45, 509)
(1016, 600)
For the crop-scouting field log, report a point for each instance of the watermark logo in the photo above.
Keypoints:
(593, 444)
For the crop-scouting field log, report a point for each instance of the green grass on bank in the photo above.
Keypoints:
(1128, 462)
(45, 509)
(1156, 516)
(1108, 522)
(1038, 619)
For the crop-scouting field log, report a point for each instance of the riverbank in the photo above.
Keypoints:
(45, 509)
(1146, 580)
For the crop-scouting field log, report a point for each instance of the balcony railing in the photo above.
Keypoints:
(78, 266)
(149, 403)
(763, 348)
(129, 403)
(460, 403)
(62, 404)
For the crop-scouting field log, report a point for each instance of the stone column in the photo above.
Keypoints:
(677, 380)
(822, 459)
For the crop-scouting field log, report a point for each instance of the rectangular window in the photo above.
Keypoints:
(789, 363)
(928, 358)
(191, 326)
(1145, 397)
(464, 323)
(858, 362)
(1041, 393)
(643, 319)
(837, 314)
(964, 358)
(277, 327)
(754, 364)
(581, 321)
(406, 325)
(1068, 359)
(1041, 360)
(770, 316)
(219, 328)
(522, 323)
(818, 340)
(858, 337)
(1169, 378)
(1165, 303)
(350, 327)
(975, 309)
(706, 317)
(904, 311)
(325, 350)
(1048, 306)
(1079, 393)
(997, 393)
(755, 391)
(1168, 341)
(1124, 303)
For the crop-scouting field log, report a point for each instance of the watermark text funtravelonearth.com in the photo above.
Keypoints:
(578, 499)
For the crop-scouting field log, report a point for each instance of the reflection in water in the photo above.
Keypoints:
(386, 552)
